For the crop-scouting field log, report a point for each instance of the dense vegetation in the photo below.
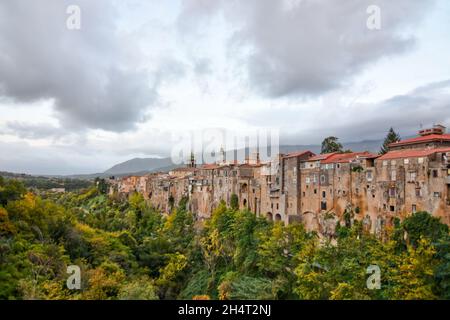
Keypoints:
(47, 183)
(127, 250)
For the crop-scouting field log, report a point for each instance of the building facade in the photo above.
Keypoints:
(316, 190)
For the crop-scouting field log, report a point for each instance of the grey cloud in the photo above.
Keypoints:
(85, 72)
(32, 130)
(311, 47)
(424, 106)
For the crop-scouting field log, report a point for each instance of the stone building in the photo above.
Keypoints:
(316, 190)
(435, 137)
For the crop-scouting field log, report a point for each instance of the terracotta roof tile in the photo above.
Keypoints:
(400, 154)
(320, 157)
(347, 157)
(428, 138)
(298, 154)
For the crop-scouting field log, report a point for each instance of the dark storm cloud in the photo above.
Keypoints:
(85, 72)
(308, 47)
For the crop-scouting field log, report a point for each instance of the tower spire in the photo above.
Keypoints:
(192, 160)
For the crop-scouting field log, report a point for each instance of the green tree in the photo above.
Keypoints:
(277, 255)
(234, 202)
(442, 271)
(11, 190)
(331, 144)
(139, 289)
(424, 225)
(413, 277)
(102, 186)
(391, 137)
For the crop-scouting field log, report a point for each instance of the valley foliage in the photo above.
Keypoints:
(127, 250)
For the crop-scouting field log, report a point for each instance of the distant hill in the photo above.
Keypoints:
(47, 182)
(139, 164)
(367, 145)
(142, 166)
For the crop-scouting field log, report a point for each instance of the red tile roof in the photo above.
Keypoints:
(320, 157)
(400, 154)
(347, 157)
(182, 169)
(422, 139)
(210, 166)
(298, 154)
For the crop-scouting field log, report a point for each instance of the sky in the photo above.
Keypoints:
(137, 75)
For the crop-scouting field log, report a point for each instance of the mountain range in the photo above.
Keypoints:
(141, 166)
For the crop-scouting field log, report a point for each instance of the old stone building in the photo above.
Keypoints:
(435, 137)
(316, 190)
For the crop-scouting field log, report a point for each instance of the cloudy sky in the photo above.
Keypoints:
(139, 73)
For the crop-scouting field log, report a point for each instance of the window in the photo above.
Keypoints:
(418, 192)
(392, 208)
(277, 206)
(323, 205)
(393, 163)
(314, 178)
(322, 179)
(308, 180)
(394, 175)
(406, 161)
(420, 160)
(437, 194)
(324, 194)
(369, 175)
(392, 192)
(414, 208)
(384, 206)
(304, 193)
(385, 163)
(435, 174)
(412, 176)
(315, 191)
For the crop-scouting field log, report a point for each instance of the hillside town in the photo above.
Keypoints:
(318, 190)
